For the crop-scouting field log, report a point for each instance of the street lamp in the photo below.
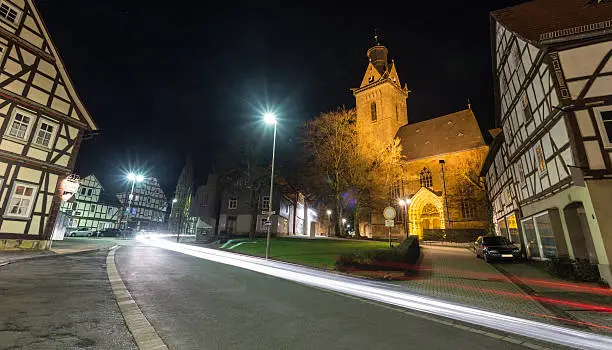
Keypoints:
(133, 178)
(174, 201)
(405, 203)
(270, 118)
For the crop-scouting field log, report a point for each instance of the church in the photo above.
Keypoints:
(440, 194)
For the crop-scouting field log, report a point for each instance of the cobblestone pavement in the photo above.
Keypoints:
(456, 275)
(60, 302)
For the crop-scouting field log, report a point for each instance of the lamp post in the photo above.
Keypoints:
(134, 178)
(405, 203)
(270, 118)
(442, 162)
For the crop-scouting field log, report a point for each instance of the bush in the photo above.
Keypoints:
(579, 270)
(402, 257)
(456, 235)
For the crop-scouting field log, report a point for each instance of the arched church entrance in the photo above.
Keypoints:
(426, 212)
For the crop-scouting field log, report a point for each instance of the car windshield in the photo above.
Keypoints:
(494, 240)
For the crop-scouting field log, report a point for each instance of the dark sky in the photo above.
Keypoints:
(164, 79)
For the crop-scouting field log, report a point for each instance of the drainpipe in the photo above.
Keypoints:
(445, 196)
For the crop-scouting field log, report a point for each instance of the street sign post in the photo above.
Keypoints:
(389, 214)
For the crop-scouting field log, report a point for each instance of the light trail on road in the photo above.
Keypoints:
(392, 295)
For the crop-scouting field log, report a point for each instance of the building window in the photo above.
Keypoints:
(22, 200)
(265, 202)
(233, 203)
(89, 191)
(604, 121)
(20, 125)
(539, 237)
(425, 178)
(8, 12)
(541, 159)
(521, 173)
(83, 190)
(468, 208)
(373, 111)
(93, 207)
(45, 133)
(109, 210)
(526, 107)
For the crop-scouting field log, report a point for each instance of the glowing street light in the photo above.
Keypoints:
(133, 178)
(174, 200)
(344, 220)
(329, 212)
(270, 118)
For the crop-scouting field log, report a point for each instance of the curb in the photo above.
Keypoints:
(144, 334)
(55, 255)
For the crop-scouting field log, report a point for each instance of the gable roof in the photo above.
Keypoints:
(449, 133)
(541, 20)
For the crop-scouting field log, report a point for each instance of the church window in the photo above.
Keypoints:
(425, 178)
(373, 111)
(396, 112)
(468, 208)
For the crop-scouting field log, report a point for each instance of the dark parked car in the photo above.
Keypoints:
(109, 232)
(495, 248)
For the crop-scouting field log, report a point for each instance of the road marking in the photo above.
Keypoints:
(144, 334)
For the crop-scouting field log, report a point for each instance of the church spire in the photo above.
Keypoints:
(377, 54)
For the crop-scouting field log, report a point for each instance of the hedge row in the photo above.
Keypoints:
(456, 235)
(402, 257)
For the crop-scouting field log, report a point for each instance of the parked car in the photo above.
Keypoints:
(82, 232)
(496, 248)
(109, 232)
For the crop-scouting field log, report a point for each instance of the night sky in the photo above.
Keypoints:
(164, 79)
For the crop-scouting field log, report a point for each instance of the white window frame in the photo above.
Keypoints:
(232, 203)
(263, 200)
(521, 173)
(25, 113)
(30, 207)
(600, 124)
(14, 8)
(53, 133)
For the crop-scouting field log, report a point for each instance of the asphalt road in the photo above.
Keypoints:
(198, 304)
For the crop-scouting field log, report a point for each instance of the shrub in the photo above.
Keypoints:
(579, 270)
(401, 257)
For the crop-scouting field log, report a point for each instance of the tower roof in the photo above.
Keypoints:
(449, 133)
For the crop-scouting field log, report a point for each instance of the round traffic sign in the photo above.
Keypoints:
(389, 213)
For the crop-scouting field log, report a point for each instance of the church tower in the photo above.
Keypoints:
(380, 100)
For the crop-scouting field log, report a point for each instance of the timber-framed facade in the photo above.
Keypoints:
(43, 122)
(549, 173)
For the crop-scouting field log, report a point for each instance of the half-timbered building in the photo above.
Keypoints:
(42, 123)
(147, 210)
(549, 172)
(92, 207)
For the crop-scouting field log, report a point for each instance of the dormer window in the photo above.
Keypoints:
(371, 79)
(373, 111)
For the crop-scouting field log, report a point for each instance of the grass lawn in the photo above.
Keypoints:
(319, 253)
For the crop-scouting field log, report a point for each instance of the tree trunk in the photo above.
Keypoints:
(338, 213)
(356, 222)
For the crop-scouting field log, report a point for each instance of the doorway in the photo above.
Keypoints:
(579, 232)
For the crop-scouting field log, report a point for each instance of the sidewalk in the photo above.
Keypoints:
(580, 296)
(60, 303)
(67, 246)
(517, 289)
